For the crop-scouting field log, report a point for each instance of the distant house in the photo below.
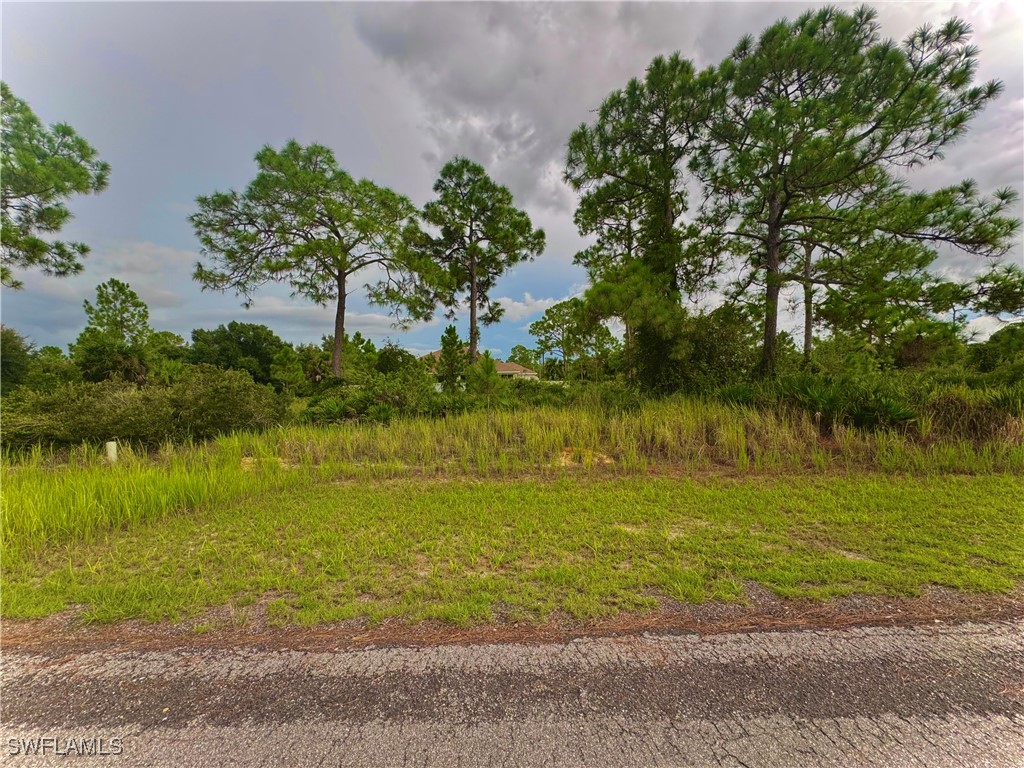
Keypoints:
(514, 371)
(505, 370)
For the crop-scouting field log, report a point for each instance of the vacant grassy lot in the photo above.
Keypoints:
(474, 550)
(509, 516)
(50, 498)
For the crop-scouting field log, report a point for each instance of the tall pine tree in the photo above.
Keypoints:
(480, 235)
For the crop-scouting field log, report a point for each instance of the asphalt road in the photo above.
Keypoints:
(932, 696)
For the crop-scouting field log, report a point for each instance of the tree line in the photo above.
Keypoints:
(785, 166)
(119, 343)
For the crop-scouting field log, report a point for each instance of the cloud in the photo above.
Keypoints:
(515, 309)
(507, 83)
(982, 327)
(149, 268)
(158, 273)
(50, 310)
(527, 307)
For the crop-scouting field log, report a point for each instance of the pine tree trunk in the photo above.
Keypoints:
(339, 326)
(474, 332)
(808, 305)
(773, 280)
(628, 352)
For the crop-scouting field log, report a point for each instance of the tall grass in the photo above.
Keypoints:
(49, 497)
(46, 503)
(693, 435)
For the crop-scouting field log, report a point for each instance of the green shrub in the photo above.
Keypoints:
(382, 413)
(210, 401)
(740, 393)
(85, 411)
(1004, 347)
(607, 396)
(48, 368)
(452, 404)
(527, 393)
(866, 402)
(720, 348)
(374, 396)
(204, 402)
(391, 358)
(15, 359)
(879, 407)
(828, 402)
(101, 356)
(1010, 399)
(327, 409)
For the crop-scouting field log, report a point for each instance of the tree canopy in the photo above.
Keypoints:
(815, 124)
(480, 235)
(119, 313)
(114, 341)
(241, 346)
(795, 150)
(788, 171)
(40, 169)
(306, 222)
(630, 167)
(524, 356)
(572, 334)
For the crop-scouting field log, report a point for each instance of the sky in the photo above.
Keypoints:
(178, 98)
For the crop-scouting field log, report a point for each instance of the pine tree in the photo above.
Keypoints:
(814, 124)
(481, 235)
(305, 221)
(453, 360)
(40, 169)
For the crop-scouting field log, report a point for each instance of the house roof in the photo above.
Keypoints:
(504, 367)
(500, 365)
(436, 354)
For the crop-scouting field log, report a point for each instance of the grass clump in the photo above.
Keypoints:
(77, 500)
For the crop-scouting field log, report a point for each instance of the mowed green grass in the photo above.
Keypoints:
(474, 550)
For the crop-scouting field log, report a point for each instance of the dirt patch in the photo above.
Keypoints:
(583, 457)
(680, 531)
(252, 463)
(829, 546)
(761, 611)
(850, 555)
